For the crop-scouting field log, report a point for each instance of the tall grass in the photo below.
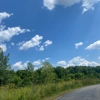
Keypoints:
(38, 92)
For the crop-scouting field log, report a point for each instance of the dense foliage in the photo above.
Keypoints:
(45, 74)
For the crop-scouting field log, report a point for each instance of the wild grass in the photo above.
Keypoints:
(38, 92)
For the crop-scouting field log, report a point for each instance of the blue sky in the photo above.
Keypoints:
(63, 32)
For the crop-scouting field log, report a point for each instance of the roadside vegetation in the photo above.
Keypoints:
(30, 84)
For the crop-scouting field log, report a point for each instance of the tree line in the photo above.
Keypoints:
(45, 74)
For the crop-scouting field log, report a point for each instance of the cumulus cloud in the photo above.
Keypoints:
(45, 59)
(78, 61)
(4, 47)
(89, 4)
(4, 15)
(20, 43)
(41, 48)
(95, 45)
(7, 34)
(86, 4)
(38, 62)
(78, 44)
(12, 44)
(50, 4)
(35, 41)
(61, 63)
(48, 42)
(20, 65)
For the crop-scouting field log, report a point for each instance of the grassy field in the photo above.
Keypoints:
(44, 91)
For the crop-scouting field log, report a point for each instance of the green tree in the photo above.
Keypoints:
(4, 67)
(26, 75)
(30, 67)
(47, 73)
(61, 73)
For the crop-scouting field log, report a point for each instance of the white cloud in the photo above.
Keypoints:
(12, 44)
(48, 42)
(35, 41)
(86, 4)
(78, 61)
(89, 4)
(38, 62)
(20, 65)
(98, 57)
(78, 44)
(50, 4)
(4, 15)
(95, 45)
(7, 34)
(3, 46)
(61, 63)
(41, 48)
(45, 59)
(21, 43)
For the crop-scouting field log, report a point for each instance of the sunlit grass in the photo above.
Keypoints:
(38, 92)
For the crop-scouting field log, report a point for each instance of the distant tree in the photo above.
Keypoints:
(30, 67)
(61, 73)
(14, 78)
(30, 71)
(37, 76)
(26, 75)
(79, 75)
(47, 73)
(4, 61)
(4, 67)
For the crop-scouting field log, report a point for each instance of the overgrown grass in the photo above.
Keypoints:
(39, 92)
